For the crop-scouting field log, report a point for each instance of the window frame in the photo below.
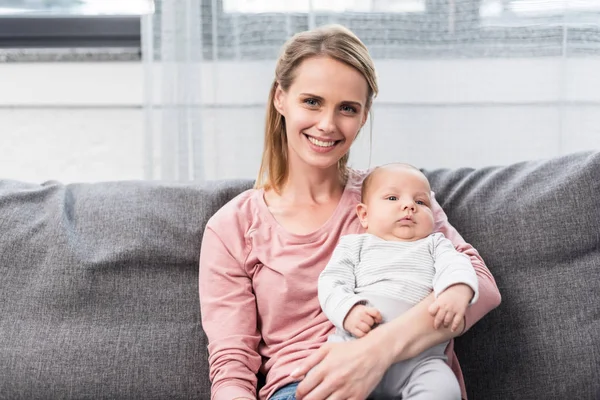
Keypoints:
(457, 17)
(70, 32)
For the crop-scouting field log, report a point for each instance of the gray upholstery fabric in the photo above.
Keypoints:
(537, 226)
(99, 290)
(98, 283)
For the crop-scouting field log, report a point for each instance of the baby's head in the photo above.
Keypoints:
(396, 203)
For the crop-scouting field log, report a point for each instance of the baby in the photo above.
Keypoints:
(376, 276)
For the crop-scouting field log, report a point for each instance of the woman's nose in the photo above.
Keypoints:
(327, 122)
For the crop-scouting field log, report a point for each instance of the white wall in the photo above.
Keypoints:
(85, 121)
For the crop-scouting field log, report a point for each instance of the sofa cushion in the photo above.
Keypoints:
(99, 289)
(537, 226)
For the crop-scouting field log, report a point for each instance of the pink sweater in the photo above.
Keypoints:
(258, 291)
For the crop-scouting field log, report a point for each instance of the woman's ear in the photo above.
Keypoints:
(361, 211)
(279, 100)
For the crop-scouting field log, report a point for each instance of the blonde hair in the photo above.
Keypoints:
(334, 41)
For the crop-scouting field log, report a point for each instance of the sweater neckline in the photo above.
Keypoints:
(269, 218)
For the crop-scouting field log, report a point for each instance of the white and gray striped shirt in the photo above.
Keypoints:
(364, 264)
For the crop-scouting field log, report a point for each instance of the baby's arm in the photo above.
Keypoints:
(337, 283)
(455, 283)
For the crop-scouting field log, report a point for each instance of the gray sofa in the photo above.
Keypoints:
(99, 283)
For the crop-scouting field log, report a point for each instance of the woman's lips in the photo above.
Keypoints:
(321, 145)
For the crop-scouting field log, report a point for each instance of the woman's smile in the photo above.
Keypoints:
(321, 145)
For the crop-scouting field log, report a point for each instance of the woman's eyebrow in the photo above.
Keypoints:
(311, 95)
(353, 103)
(317, 97)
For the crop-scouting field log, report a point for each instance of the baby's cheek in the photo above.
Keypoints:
(430, 220)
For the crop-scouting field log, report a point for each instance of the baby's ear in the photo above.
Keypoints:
(361, 211)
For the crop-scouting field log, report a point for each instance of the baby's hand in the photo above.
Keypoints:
(360, 320)
(451, 305)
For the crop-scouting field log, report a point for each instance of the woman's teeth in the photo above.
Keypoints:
(320, 143)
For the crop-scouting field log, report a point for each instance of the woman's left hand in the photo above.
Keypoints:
(343, 371)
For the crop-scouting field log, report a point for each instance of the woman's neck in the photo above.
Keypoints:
(312, 185)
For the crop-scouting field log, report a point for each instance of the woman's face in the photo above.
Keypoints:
(324, 109)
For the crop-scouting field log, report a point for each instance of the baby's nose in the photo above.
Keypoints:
(409, 205)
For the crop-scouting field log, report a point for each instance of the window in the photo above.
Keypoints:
(255, 29)
(365, 6)
(530, 12)
(71, 23)
(415, 28)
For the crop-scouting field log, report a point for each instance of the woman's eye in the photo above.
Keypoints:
(312, 102)
(392, 198)
(348, 109)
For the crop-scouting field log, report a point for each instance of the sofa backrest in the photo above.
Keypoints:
(537, 226)
(99, 289)
(99, 283)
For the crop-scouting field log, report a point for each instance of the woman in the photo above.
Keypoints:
(262, 252)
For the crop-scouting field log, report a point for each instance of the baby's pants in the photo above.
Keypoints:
(426, 376)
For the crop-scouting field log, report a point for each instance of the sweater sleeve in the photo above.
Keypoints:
(489, 295)
(451, 267)
(228, 312)
(336, 283)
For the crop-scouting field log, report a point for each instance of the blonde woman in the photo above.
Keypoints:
(262, 253)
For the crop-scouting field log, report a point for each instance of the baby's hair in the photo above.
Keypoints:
(364, 189)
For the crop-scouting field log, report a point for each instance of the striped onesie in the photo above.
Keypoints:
(393, 276)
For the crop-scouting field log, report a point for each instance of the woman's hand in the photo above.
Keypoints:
(343, 371)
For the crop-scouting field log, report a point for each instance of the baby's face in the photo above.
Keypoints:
(398, 205)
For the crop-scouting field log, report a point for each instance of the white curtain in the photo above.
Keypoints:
(463, 82)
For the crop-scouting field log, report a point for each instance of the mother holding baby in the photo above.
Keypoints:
(263, 252)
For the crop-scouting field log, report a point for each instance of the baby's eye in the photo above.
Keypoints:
(420, 202)
(392, 198)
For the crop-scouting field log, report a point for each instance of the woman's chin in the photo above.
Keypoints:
(320, 162)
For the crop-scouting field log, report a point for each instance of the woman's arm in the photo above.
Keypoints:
(228, 310)
(417, 332)
(351, 370)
